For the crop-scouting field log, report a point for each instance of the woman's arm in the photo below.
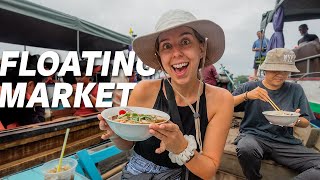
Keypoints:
(205, 165)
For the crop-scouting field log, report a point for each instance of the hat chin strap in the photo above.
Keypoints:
(196, 114)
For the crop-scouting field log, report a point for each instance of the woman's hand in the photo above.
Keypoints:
(103, 125)
(171, 137)
(117, 140)
(258, 93)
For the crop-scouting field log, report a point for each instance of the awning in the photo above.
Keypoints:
(294, 10)
(26, 23)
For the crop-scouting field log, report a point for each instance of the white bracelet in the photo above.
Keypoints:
(186, 154)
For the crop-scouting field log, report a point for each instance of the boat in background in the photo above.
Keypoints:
(308, 54)
(27, 146)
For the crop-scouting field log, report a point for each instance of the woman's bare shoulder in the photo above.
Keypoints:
(218, 100)
(144, 93)
(150, 84)
(216, 93)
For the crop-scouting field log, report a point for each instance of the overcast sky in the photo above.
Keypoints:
(239, 19)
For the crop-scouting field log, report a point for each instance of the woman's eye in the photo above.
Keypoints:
(185, 42)
(166, 46)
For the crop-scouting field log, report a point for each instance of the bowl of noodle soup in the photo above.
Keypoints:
(281, 118)
(132, 123)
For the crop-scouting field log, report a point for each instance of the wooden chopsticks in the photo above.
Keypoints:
(274, 105)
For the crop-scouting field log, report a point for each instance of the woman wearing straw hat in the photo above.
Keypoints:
(191, 145)
(258, 138)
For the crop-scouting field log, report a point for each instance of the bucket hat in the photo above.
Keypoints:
(144, 46)
(280, 59)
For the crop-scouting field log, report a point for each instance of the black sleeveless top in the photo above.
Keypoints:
(147, 148)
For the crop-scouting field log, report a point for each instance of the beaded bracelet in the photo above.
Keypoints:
(186, 154)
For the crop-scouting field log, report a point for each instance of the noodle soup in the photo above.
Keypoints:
(281, 118)
(134, 118)
(132, 123)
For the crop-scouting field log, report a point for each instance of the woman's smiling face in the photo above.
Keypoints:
(180, 53)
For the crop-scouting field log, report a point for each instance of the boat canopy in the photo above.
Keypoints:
(30, 24)
(294, 10)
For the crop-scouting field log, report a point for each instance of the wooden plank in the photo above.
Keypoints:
(302, 133)
(44, 156)
(221, 175)
(238, 115)
(308, 135)
(44, 136)
(114, 173)
(45, 144)
(317, 144)
(16, 135)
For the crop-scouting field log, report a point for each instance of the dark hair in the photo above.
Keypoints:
(69, 78)
(83, 66)
(303, 26)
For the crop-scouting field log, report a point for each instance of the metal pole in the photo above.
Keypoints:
(308, 65)
(260, 53)
(78, 44)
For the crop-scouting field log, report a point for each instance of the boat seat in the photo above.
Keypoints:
(309, 136)
(87, 161)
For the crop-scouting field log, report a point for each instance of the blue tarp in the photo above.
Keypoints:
(277, 39)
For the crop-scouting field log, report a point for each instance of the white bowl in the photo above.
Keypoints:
(281, 118)
(131, 132)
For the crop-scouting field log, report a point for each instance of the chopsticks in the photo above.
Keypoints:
(274, 105)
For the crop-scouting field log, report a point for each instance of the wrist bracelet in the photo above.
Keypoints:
(245, 97)
(186, 154)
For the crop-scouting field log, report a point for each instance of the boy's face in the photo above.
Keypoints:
(276, 78)
(303, 30)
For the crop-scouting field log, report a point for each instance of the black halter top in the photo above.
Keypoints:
(147, 148)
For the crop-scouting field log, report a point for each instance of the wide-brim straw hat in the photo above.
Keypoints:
(280, 59)
(144, 46)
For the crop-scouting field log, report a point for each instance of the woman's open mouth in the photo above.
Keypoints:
(180, 69)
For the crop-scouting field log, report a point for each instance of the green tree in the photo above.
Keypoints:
(241, 79)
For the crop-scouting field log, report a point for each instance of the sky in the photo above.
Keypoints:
(240, 21)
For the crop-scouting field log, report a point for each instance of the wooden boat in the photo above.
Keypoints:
(27, 146)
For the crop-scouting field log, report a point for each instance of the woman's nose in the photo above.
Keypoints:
(176, 50)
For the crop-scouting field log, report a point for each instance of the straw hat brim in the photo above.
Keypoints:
(144, 46)
(278, 67)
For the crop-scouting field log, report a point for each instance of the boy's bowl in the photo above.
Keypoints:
(131, 132)
(281, 118)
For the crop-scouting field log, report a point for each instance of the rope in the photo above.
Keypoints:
(196, 114)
